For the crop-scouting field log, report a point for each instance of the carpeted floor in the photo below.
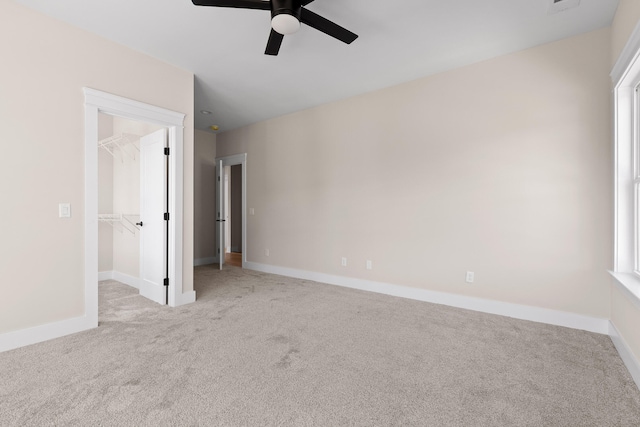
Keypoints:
(264, 350)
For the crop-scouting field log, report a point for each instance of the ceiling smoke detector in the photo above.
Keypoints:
(557, 6)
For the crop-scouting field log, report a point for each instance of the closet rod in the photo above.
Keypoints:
(125, 221)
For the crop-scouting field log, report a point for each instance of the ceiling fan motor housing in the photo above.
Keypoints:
(287, 7)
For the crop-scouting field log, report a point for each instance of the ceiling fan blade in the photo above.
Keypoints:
(243, 4)
(305, 2)
(322, 24)
(273, 45)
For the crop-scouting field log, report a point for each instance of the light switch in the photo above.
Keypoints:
(252, 211)
(64, 210)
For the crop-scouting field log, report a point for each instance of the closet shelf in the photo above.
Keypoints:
(121, 144)
(121, 221)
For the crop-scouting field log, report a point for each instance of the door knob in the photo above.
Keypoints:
(139, 223)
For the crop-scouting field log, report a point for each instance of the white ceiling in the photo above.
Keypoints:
(400, 40)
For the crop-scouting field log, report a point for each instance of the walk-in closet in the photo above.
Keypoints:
(127, 176)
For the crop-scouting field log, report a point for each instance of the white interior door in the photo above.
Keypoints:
(153, 205)
(220, 220)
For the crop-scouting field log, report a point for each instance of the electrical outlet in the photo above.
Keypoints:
(470, 277)
(369, 265)
(344, 261)
(266, 252)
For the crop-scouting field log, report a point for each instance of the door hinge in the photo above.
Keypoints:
(218, 179)
(166, 216)
(218, 250)
(166, 281)
(166, 151)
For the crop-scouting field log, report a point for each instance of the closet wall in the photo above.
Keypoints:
(105, 195)
(119, 191)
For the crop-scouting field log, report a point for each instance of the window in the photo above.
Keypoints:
(626, 79)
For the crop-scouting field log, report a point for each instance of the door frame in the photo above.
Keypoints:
(102, 102)
(236, 159)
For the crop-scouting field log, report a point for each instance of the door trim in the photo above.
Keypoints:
(237, 159)
(102, 102)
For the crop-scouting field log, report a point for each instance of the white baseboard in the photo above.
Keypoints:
(149, 291)
(187, 298)
(205, 261)
(134, 282)
(105, 275)
(24, 337)
(626, 354)
(517, 311)
(153, 292)
(235, 249)
(48, 331)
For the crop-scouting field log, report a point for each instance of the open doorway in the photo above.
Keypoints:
(101, 102)
(233, 215)
(132, 202)
(231, 210)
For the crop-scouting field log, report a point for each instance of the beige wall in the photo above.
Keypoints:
(45, 65)
(624, 22)
(502, 168)
(204, 169)
(625, 314)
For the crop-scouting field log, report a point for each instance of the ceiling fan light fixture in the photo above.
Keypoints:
(286, 18)
(285, 24)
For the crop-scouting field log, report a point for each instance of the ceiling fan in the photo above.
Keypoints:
(286, 16)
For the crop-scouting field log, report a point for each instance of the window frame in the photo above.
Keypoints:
(626, 122)
(635, 153)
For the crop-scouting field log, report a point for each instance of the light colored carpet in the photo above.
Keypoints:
(258, 349)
